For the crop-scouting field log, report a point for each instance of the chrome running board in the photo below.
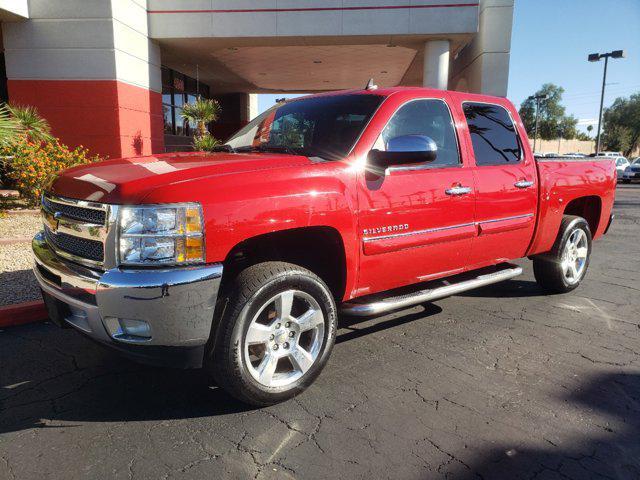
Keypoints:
(376, 304)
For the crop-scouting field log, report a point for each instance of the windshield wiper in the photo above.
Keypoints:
(225, 147)
(268, 148)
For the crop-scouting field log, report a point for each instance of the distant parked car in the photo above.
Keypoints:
(621, 165)
(574, 155)
(631, 172)
(608, 154)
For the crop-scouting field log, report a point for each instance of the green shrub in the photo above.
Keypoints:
(32, 166)
(205, 143)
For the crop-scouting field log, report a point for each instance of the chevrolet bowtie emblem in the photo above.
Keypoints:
(52, 220)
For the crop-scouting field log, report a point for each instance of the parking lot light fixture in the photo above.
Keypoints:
(595, 57)
(537, 98)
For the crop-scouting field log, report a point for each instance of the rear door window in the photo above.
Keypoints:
(493, 135)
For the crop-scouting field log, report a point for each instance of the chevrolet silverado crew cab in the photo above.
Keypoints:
(360, 202)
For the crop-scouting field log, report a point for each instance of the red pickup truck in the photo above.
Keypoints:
(360, 202)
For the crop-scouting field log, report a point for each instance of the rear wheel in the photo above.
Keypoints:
(276, 333)
(565, 266)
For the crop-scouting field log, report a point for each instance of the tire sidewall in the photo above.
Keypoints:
(569, 228)
(296, 280)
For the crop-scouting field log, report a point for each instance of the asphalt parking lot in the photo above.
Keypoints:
(503, 382)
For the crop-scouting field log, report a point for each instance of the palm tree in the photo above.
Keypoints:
(35, 127)
(201, 112)
(10, 128)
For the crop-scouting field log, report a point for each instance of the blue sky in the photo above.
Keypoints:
(550, 43)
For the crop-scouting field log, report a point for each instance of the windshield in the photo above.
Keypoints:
(325, 127)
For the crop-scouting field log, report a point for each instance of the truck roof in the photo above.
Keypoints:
(388, 91)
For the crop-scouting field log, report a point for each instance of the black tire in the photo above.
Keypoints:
(248, 293)
(548, 269)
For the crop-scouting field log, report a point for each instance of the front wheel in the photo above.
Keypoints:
(562, 269)
(276, 333)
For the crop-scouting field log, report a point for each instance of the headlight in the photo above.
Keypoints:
(161, 234)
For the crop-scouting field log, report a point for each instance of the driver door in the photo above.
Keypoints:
(416, 221)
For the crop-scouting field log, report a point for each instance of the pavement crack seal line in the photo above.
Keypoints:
(451, 458)
(260, 466)
(9, 467)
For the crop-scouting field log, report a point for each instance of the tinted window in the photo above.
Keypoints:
(493, 135)
(323, 126)
(424, 117)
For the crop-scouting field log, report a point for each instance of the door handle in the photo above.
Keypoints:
(459, 190)
(524, 184)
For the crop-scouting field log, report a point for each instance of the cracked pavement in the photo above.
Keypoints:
(502, 382)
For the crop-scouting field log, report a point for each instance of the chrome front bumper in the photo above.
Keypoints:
(177, 303)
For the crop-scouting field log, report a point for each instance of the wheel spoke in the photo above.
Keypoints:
(301, 359)
(582, 252)
(284, 302)
(575, 237)
(565, 267)
(267, 368)
(574, 270)
(258, 333)
(310, 319)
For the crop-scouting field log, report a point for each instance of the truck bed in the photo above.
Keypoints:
(562, 180)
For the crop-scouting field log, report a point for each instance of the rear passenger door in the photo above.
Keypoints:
(505, 185)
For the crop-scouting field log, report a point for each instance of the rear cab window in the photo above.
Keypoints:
(493, 134)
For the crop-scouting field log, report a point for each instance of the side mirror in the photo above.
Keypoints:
(405, 149)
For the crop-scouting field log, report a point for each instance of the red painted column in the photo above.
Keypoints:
(109, 117)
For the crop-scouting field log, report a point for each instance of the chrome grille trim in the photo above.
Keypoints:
(77, 247)
(84, 230)
(88, 212)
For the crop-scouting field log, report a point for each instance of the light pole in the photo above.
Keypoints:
(595, 57)
(537, 98)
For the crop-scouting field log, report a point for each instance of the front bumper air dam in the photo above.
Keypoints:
(176, 304)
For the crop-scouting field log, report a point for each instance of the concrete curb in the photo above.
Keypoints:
(26, 211)
(22, 313)
(13, 240)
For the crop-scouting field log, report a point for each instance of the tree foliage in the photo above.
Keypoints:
(621, 125)
(552, 121)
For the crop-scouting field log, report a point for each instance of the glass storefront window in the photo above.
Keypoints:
(178, 89)
(167, 112)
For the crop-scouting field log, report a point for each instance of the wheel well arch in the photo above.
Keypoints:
(589, 208)
(316, 248)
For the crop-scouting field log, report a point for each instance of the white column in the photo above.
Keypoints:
(436, 64)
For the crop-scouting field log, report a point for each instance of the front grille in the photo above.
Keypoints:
(80, 247)
(88, 215)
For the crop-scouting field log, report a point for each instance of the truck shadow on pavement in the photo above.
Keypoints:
(52, 377)
(613, 454)
(509, 289)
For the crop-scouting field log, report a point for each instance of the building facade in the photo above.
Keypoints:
(112, 75)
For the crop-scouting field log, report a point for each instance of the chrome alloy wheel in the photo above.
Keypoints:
(284, 338)
(574, 256)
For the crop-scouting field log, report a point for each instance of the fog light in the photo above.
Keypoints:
(128, 330)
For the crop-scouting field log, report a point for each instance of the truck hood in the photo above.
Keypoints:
(130, 180)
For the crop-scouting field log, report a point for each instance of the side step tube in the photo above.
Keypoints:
(380, 304)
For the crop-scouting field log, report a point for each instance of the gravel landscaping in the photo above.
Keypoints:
(19, 226)
(17, 283)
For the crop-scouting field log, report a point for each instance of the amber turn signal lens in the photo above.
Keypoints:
(192, 217)
(195, 249)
